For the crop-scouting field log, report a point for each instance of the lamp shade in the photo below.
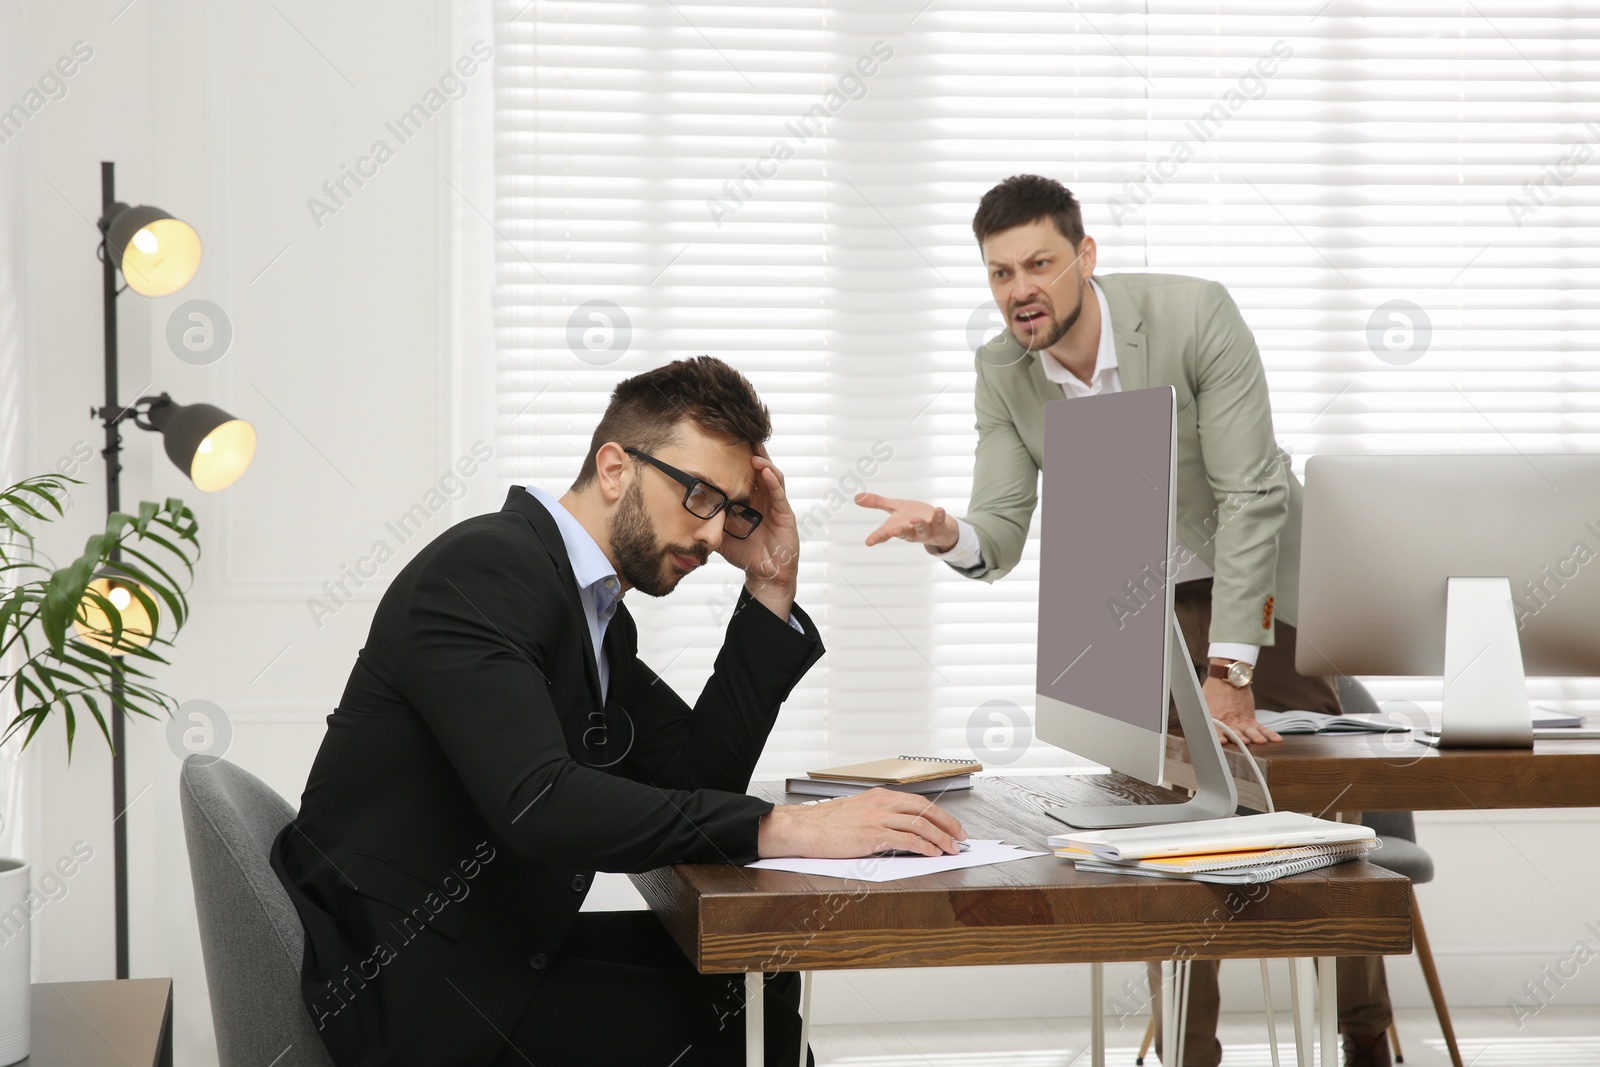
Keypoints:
(156, 253)
(94, 626)
(212, 447)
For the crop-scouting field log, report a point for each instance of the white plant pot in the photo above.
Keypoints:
(16, 934)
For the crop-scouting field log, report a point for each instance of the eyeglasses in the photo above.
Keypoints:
(704, 500)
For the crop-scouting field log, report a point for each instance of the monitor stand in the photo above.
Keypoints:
(1215, 796)
(1485, 686)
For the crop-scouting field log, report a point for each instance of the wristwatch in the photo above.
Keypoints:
(1237, 674)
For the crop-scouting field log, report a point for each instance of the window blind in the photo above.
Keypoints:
(1400, 197)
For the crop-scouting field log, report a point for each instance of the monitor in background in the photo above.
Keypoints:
(1110, 650)
(1480, 569)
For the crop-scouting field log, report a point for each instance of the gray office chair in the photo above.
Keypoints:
(1402, 855)
(250, 934)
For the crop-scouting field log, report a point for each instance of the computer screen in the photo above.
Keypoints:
(1111, 658)
(1383, 533)
(1106, 532)
(1479, 569)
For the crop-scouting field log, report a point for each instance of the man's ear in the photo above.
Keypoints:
(613, 467)
(1087, 253)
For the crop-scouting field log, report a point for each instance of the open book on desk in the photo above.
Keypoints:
(1315, 722)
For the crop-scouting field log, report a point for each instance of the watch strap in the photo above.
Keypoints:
(1221, 670)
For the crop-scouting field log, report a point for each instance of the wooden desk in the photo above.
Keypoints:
(1389, 772)
(1038, 910)
(111, 1023)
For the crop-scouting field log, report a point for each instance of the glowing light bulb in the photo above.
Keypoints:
(94, 624)
(146, 242)
(205, 446)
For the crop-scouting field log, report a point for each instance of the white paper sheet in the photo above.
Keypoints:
(893, 868)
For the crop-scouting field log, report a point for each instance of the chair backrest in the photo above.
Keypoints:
(250, 934)
(1401, 824)
(1355, 698)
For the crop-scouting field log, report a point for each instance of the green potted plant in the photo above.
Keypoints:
(82, 627)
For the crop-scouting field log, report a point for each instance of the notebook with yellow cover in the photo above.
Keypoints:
(898, 771)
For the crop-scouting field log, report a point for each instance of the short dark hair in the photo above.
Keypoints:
(646, 410)
(1025, 198)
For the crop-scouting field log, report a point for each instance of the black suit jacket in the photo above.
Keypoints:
(471, 782)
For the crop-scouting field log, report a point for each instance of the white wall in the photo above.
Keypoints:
(16, 811)
(361, 356)
(232, 116)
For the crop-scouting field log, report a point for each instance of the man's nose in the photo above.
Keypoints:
(709, 532)
(1023, 291)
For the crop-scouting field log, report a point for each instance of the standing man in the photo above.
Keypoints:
(1236, 591)
(499, 741)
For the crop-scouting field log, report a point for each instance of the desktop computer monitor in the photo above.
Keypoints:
(1477, 568)
(1110, 652)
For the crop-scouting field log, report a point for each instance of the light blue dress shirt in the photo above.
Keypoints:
(599, 588)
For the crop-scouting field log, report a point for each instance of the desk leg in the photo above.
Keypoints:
(755, 1018)
(1169, 1012)
(1097, 1015)
(1180, 1015)
(1301, 982)
(806, 978)
(1272, 1020)
(1327, 986)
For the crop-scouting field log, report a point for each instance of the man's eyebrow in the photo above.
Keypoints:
(1035, 254)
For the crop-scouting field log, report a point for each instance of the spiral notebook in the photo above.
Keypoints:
(1225, 861)
(1235, 833)
(1266, 872)
(901, 770)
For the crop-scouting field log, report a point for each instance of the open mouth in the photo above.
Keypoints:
(1029, 315)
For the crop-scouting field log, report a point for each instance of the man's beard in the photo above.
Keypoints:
(1044, 341)
(639, 556)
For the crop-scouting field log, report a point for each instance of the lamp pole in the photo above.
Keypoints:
(112, 414)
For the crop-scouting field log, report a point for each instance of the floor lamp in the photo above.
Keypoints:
(157, 255)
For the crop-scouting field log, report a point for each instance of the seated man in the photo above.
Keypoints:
(499, 741)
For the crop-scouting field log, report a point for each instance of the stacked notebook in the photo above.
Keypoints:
(911, 774)
(1235, 851)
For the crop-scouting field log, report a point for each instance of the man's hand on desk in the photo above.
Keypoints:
(1237, 708)
(912, 520)
(859, 825)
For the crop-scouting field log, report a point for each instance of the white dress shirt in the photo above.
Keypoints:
(599, 588)
(967, 555)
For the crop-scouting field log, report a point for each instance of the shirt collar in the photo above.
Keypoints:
(1105, 358)
(590, 567)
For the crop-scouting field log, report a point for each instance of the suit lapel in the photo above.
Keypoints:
(1044, 390)
(524, 503)
(1133, 362)
(619, 651)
